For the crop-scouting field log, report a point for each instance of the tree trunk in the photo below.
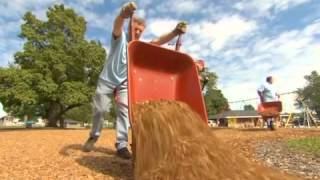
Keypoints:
(53, 115)
(61, 122)
(318, 113)
(52, 123)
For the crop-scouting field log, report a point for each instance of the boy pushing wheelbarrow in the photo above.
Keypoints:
(113, 77)
(270, 106)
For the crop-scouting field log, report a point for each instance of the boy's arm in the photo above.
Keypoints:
(117, 27)
(126, 11)
(260, 92)
(181, 28)
(260, 96)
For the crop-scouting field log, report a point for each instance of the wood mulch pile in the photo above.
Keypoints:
(57, 154)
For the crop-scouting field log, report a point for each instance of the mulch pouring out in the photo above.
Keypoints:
(173, 143)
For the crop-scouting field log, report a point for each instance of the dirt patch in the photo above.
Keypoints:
(173, 143)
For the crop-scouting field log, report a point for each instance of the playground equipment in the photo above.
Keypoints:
(270, 110)
(308, 118)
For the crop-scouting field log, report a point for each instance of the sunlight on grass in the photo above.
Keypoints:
(309, 144)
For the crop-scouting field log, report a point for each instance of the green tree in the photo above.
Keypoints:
(57, 69)
(208, 79)
(84, 113)
(248, 107)
(214, 99)
(310, 94)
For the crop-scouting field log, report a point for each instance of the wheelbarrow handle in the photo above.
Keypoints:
(132, 35)
(131, 32)
(178, 43)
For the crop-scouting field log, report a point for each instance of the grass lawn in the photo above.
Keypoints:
(308, 144)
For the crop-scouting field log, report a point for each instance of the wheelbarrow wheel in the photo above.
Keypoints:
(271, 126)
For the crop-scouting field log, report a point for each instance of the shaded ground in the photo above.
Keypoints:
(56, 154)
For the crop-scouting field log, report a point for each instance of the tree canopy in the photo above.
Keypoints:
(214, 98)
(248, 107)
(56, 70)
(310, 94)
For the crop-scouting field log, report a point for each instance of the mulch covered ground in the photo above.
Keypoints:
(56, 154)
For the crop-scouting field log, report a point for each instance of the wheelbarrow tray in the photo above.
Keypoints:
(157, 73)
(270, 109)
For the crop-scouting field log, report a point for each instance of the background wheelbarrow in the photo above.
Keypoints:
(270, 110)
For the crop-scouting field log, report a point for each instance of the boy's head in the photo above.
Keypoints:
(138, 26)
(270, 79)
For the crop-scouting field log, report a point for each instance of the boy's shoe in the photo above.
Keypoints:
(272, 126)
(124, 153)
(88, 146)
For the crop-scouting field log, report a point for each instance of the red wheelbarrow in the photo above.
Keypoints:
(157, 73)
(270, 110)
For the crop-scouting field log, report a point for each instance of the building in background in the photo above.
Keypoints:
(240, 119)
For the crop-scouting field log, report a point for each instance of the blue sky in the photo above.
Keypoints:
(243, 41)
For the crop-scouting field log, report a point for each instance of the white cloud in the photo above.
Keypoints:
(289, 57)
(7, 49)
(6, 57)
(17, 8)
(95, 20)
(9, 27)
(227, 28)
(186, 6)
(205, 38)
(214, 36)
(158, 27)
(267, 7)
(90, 2)
(181, 7)
(144, 3)
(312, 29)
